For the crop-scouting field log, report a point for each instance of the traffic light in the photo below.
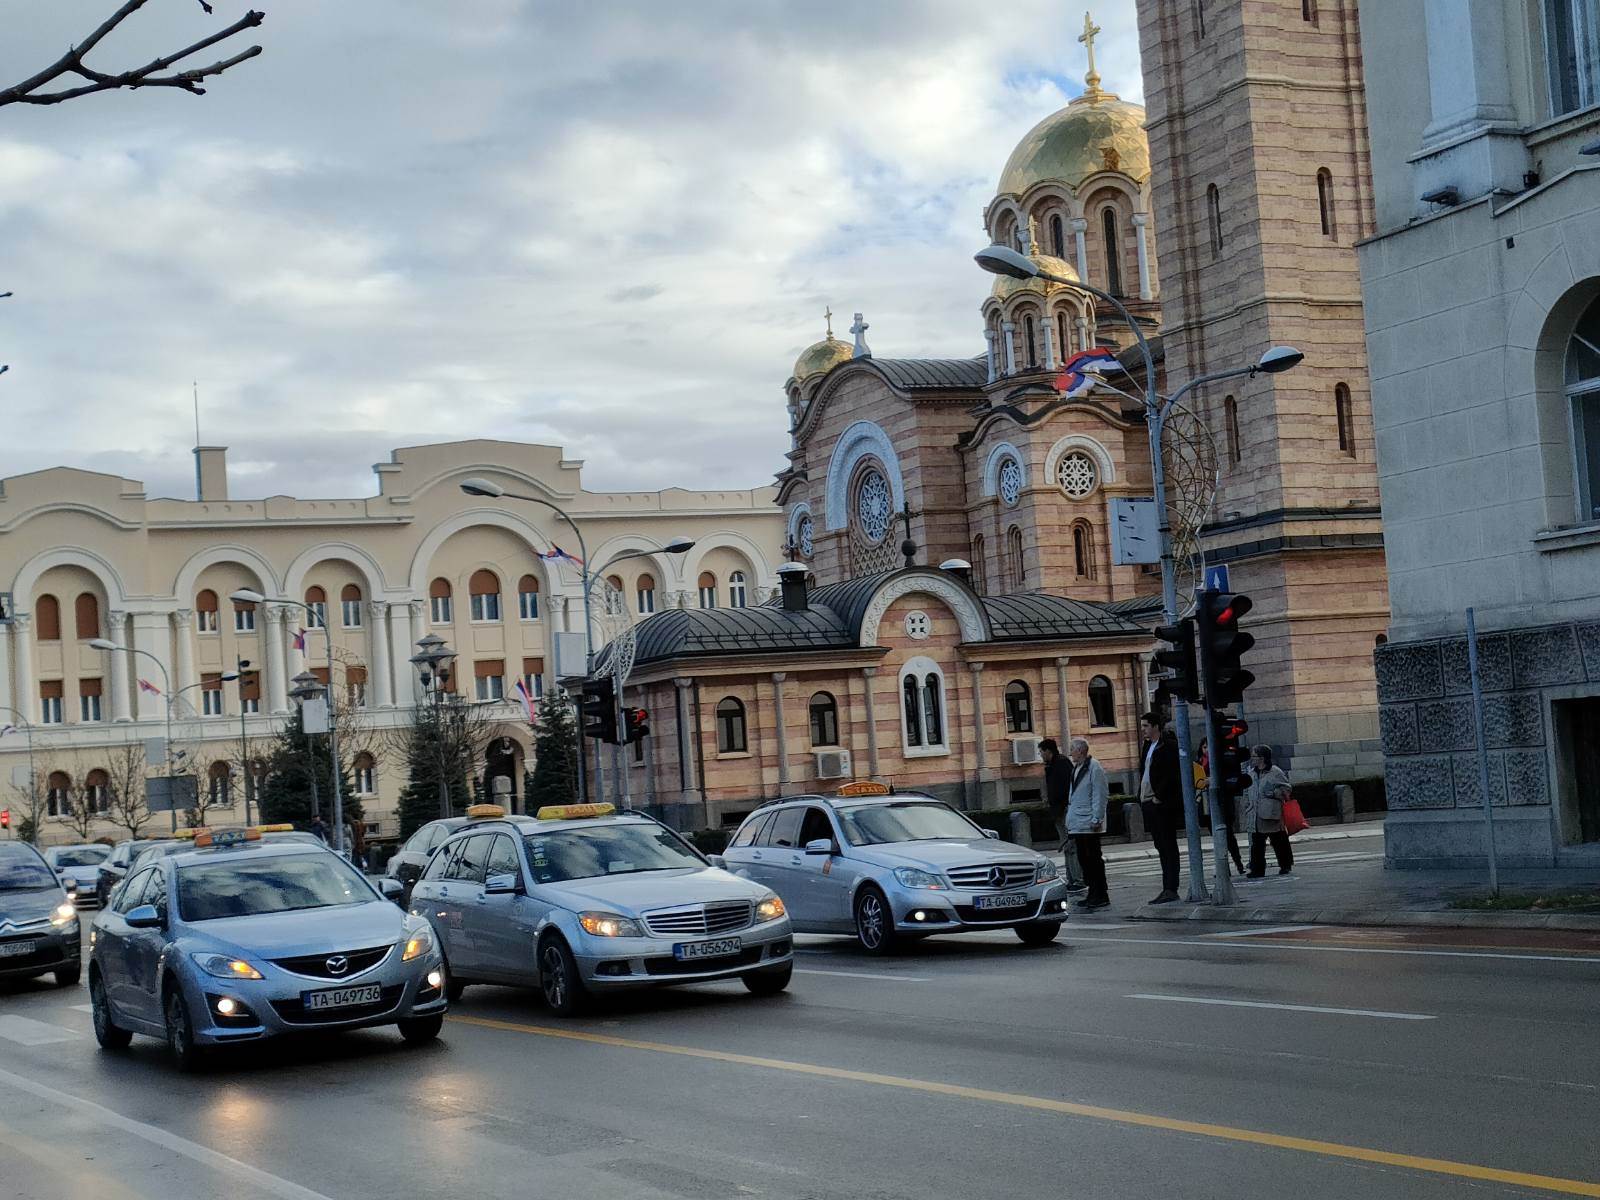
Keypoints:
(600, 709)
(1178, 658)
(635, 725)
(1230, 755)
(1222, 644)
(5, 818)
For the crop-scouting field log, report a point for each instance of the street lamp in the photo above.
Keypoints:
(26, 726)
(1003, 260)
(308, 687)
(166, 694)
(432, 661)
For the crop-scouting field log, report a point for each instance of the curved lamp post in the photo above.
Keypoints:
(432, 661)
(166, 694)
(26, 726)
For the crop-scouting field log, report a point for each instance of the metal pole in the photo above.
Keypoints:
(1483, 751)
(166, 694)
(244, 752)
(1221, 878)
(27, 733)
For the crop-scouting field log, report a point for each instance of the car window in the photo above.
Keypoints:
(750, 830)
(621, 849)
(816, 825)
(22, 870)
(502, 858)
(905, 821)
(248, 886)
(437, 833)
(77, 856)
(785, 828)
(127, 896)
(418, 841)
(471, 859)
(440, 863)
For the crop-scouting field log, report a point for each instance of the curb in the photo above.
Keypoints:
(1572, 922)
(1129, 853)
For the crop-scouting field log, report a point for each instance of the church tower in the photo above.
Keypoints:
(1258, 147)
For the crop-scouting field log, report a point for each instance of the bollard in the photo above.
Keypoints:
(1345, 795)
(1133, 819)
(1021, 832)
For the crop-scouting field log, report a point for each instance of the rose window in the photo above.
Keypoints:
(1010, 481)
(805, 536)
(1077, 474)
(874, 508)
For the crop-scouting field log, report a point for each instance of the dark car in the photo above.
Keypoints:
(407, 862)
(38, 924)
(115, 868)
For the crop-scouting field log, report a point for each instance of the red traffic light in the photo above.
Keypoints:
(5, 818)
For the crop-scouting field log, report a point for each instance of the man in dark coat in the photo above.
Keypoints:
(1057, 787)
(1161, 798)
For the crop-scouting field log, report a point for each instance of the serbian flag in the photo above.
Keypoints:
(1082, 371)
(146, 686)
(527, 700)
(300, 641)
(557, 554)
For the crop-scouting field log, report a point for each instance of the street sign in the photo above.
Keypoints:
(571, 655)
(19, 776)
(164, 793)
(155, 750)
(1217, 579)
(314, 713)
(1135, 530)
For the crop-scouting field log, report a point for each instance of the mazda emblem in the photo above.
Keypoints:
(338, 964)
(997, 877)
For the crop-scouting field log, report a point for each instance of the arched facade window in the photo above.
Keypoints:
(205, 612)
(1345, 419)
(1582, 384)
(922, 708)
(365, 769)
(317, 601)
(441, 610)
(708, 590)
(1308, 11)
(1016, 569)
(824, 720)
(47, 618)
(1214, 218)
(1108, 227)
(58, 794)
(86, 615)
(244, 616)
(738, 590)
(1083, 550)
(646, 590)
(1230, 420)
(1325, 202)
(219, 792)
(872, 512)
(528, 598)
(731, 735)
(1063, 342)
(350, 606)
(89, 700)
(1030, 334)
(1019, 707)
(1058, 236)
(980, 569)
(483, 595)
(97, 792)
(1102, 703)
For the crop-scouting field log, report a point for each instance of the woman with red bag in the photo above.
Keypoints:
(1261, 813)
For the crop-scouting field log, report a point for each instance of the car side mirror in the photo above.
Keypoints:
(716, 860)
(821, 846)
(992, 833)
(391, 889)
(500, 885)
(145, 916)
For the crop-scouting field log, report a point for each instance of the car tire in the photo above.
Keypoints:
(453, 987)
(107, 1032)
(69, 976)
(559, 980)
(768, 981)
(874, 922)
(1038, 933)
(420, 1030)
(188, 1054)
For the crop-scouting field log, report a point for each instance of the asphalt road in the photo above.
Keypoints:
(1126, 1061)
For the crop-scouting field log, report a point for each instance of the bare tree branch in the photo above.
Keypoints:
(72, 63)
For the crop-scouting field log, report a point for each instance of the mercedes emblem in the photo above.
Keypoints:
(997, 877)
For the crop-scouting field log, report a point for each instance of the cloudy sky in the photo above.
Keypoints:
(608, 225)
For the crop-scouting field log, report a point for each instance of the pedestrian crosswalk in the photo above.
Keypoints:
(25, 1031)
(1151, 868)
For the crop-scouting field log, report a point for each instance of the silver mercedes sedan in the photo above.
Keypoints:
(895, 867)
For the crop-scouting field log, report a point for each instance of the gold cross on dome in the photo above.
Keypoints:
(827, 315)
(1090, 32)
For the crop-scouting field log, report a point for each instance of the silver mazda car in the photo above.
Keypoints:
(890, 868)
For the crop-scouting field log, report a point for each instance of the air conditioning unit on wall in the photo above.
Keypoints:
(832, 764)
(1024, 751)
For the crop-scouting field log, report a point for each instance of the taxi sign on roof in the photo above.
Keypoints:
(483, 812)
(573, 812)
(224, 837)
(864, 787)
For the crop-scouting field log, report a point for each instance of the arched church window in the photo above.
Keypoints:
(807, 537)
(1010, 481)
(439, 602)
(874, 507)
(646, 587)
(738, 593)
(1345, 419)
(1230, 418)
(1583, 393)
(708, 590)
(1102, 703)
(1019, 707)
(1108, 223)
(824, 720)
(1325, 202)
(1058, 236)
(980, 572)
(1077, 475)
(1061, 334)
(1214, 218)
(1015, 567)
(1031, 335)
(731, 735)
(1083, 550)
(86, 613)
(47, 618)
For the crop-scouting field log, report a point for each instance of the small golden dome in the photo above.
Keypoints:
(821, 357)
(1096, 132)
(1005, 286)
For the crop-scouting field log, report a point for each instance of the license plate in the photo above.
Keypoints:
(17, 949)
(720, 948)
(369, 993)
(1006, 900)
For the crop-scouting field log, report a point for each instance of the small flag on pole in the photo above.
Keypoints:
(527, 700)
(1082, 371)
(146, 686)
(557, 554)
(300, 641)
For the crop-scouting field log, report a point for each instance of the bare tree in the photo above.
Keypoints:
(125, 765)
(84, 803)
(155, 73)
(30, 803)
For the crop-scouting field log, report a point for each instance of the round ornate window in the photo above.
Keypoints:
(874, 507)
(804, 535)
(1077, 474)
(918, 625)
(1010, 482)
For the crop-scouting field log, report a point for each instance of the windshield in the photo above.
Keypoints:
(78, 856)
(606, 850)
(22, 871)
(247, 887)
(914, 821)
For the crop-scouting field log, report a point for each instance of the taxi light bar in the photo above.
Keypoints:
(864, 787)
(225, 837)
(573, 812)
(484, 812)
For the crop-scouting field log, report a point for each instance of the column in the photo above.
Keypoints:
(783, 733)
(1061, 702)
(988, 338)
(277, 673)
(25, 697)
(152, 632)
(1469, 85)
(121, 696)
(1141, 238)
(1080, 226)
(402, 675)
(1049, 342)
(381, 685)
(1010, 329)
(867, 676)
(183, 639)
(419, 630)
(1146, 661)
(686, 774)
(1083, 334)
(6, 699)
(978, 722)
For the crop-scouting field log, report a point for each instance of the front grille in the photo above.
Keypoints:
(295, 1013)
(997, 916)
(977, 879)
(721, 916)
(693, 966)
(315, 966)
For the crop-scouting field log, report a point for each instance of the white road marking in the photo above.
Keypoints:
(1561, 958)
(1305, 1008)
(88, 1008)
(203, 1155)
(1260, 932)
(863, 975)
(28, 1032)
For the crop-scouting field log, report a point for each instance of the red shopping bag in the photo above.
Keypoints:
(1293, 819)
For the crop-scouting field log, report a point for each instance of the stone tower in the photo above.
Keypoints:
(1262, 186)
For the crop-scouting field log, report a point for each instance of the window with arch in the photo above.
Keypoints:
(1058, 236)
(219, 792)
(1108, 228)
(350, 606)
(806, 536)
(205, 611)
(616, 595)
(317, 602)
(244, 616)
(1345, 419)
(440, 609)
(86, 615)
(211, 695)
(366, 774)
(89, 700)
(731, 736)
(1308, 11)
(528, 598)
(50, 702)
(738, 590)
(1030, 334)
(1077, 474)
(980, 570)
(47, 618)
(824, 711)
(1019, 707)
(645, 590)
(1214, 218)
(1230, 420)
(1582, 386)
(873, 510)
(1325, 202)
(250, 691)
(922, 708)
(1102, 703)
(708, 590)
(1016, 569)
(1083, 555)
(97, 792)
(1008, 481)
(58, 794)
(483, 595)
(1061, 333)
(1572, 54)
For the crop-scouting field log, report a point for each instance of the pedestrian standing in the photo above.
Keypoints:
(1087, 797)
(321, 830)
(1261, 812)
(1057, 776)
(1161, 798)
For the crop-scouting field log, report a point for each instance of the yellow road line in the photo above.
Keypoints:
(1436, 1166)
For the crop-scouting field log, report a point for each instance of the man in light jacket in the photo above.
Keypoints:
(1057, 776)
(1261, 812)
(1087, 795)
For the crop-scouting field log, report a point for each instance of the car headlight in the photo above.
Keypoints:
(604, 924)
(224, 966)
(770, 909)
(1047, 871)
(64, 914)
(912, 878)
(418, 944)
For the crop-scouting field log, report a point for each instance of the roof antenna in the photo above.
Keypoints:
(199, 487)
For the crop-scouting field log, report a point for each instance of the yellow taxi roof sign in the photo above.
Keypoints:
(184, 834)
(224, 837)
(573, 812)
(864, 787)
(283, 827)
(484, 812)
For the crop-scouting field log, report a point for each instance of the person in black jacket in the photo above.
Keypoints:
(1161, 798)
(1057, 787)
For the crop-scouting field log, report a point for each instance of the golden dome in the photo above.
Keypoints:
(821, 357)
(1005, 286)
(1096, 132)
